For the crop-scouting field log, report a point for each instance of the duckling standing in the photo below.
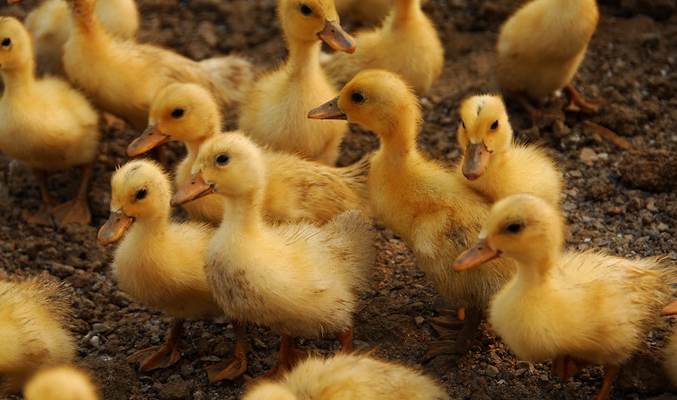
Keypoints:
(33, 317)
(60, 383)
(274, 112)
(160, 262)
(297, 189)
(590, 307)
(298, 279)
(46, 124)
(407, 44)
(494, 166)
(540, 48)
(425, 204)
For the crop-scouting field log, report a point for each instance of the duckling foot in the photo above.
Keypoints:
(287, 360)
(113, 123)
(41, 217)
(164, 355)
(72, 211)
(578, 103)
(236, 366)
(457, 337)
(605, 391)
(564, 367)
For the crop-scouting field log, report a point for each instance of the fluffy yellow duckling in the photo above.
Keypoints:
(370, 11)
(298, 279)
(33, 315)
(407, 44)
(417, 198)
(60, 383)
(274, 112)
(159, 262)
(347, 376)
(297, 188)
(122, 76)
(494, 166)
(50, 26)
(670, 351)
(541, 46)
(567, 306)
(46, 124)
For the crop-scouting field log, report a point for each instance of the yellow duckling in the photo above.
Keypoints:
(274, 112)
(349, 376)
(494, 166)
(425, 204)
(407, 44)
(541, 46)
(670, 356)
(298, 279)
(50, 26)
(60, 383)
(46, 124)
(297, 188)
(566, 306)
(122, 76)
(33, 319)
(159, 262)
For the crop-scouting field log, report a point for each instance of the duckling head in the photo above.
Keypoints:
(484, 130)
(60, 383)
(380, 101)
(523, 227)
(180, 111)
(228, 164)
(140, 192)
(308, 20)
(15, 44)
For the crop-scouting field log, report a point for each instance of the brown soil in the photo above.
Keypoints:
(617, 199)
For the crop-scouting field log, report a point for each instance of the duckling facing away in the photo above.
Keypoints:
(46, 124)
(60, 383)
(159, 262)
(670, 351)
(274, 112)
(298, 279)
(407, 44)
(541, 46)
(297, 189)
(425, 204)
(591, 307)
(33, 317)
(50, 26)
(494, 166)
(347, 376)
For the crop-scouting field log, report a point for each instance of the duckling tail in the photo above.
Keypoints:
(230, 78)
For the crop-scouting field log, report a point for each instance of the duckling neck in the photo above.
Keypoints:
(151, 226)
(534, 271)
(83, 15)
(242, 215)
(304, 59)
(400, 141)
(404, 11)
(20, 78)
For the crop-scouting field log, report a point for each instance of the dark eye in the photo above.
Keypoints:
(463, 124)
(6, 42)
(514, 228)
(305, 10)
(141, 194)
(494, 125)
(357, 97)
(222, 159)
(177, 113)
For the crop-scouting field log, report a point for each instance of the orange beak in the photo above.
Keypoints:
(114, 228)
(477, 255)
(195, 188)
(337, 38)
(328, 110)
(670, 309)
(10, 2)
(149, 139)
(476, 160)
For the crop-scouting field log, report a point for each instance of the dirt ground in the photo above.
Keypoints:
(620, 199)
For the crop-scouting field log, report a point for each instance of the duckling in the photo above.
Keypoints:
(407, 43)
(540, 48)
(494, 166)
(34, 316)
(591, 307)
(424, 203)
(159, 262)
(274, 112)
(50, 25)
(60, 383)
(299, 279)
(369, 11)
(122, 76)
(46, 124)
(349, 376)
(297, 189)
(670, 351)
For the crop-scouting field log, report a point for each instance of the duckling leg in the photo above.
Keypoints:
(539, 118)
(164, 355)
(77, 209)
(236, 366)
(346, 340)
(287, 360)
(564, 367)
(43, 215)
(611, 371)
(578, 103)
(460, 345)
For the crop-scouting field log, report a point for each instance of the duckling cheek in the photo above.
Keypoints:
(114, 228)
(337, 38)
(476, 160)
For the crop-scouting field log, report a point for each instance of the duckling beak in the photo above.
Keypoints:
(195, 188)
(114, 228)
(10, 2)
(476, 160)
(670, 309)
(337, 38)
(477, 255)
(328, 110)
(151, 138)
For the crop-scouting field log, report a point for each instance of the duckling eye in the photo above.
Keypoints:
(357, 97)
(514, 228)
(493, 126)
(141, 194)
(305, 10)
(222, 159)
(6, 42)
(463, 124)
(177, 113)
